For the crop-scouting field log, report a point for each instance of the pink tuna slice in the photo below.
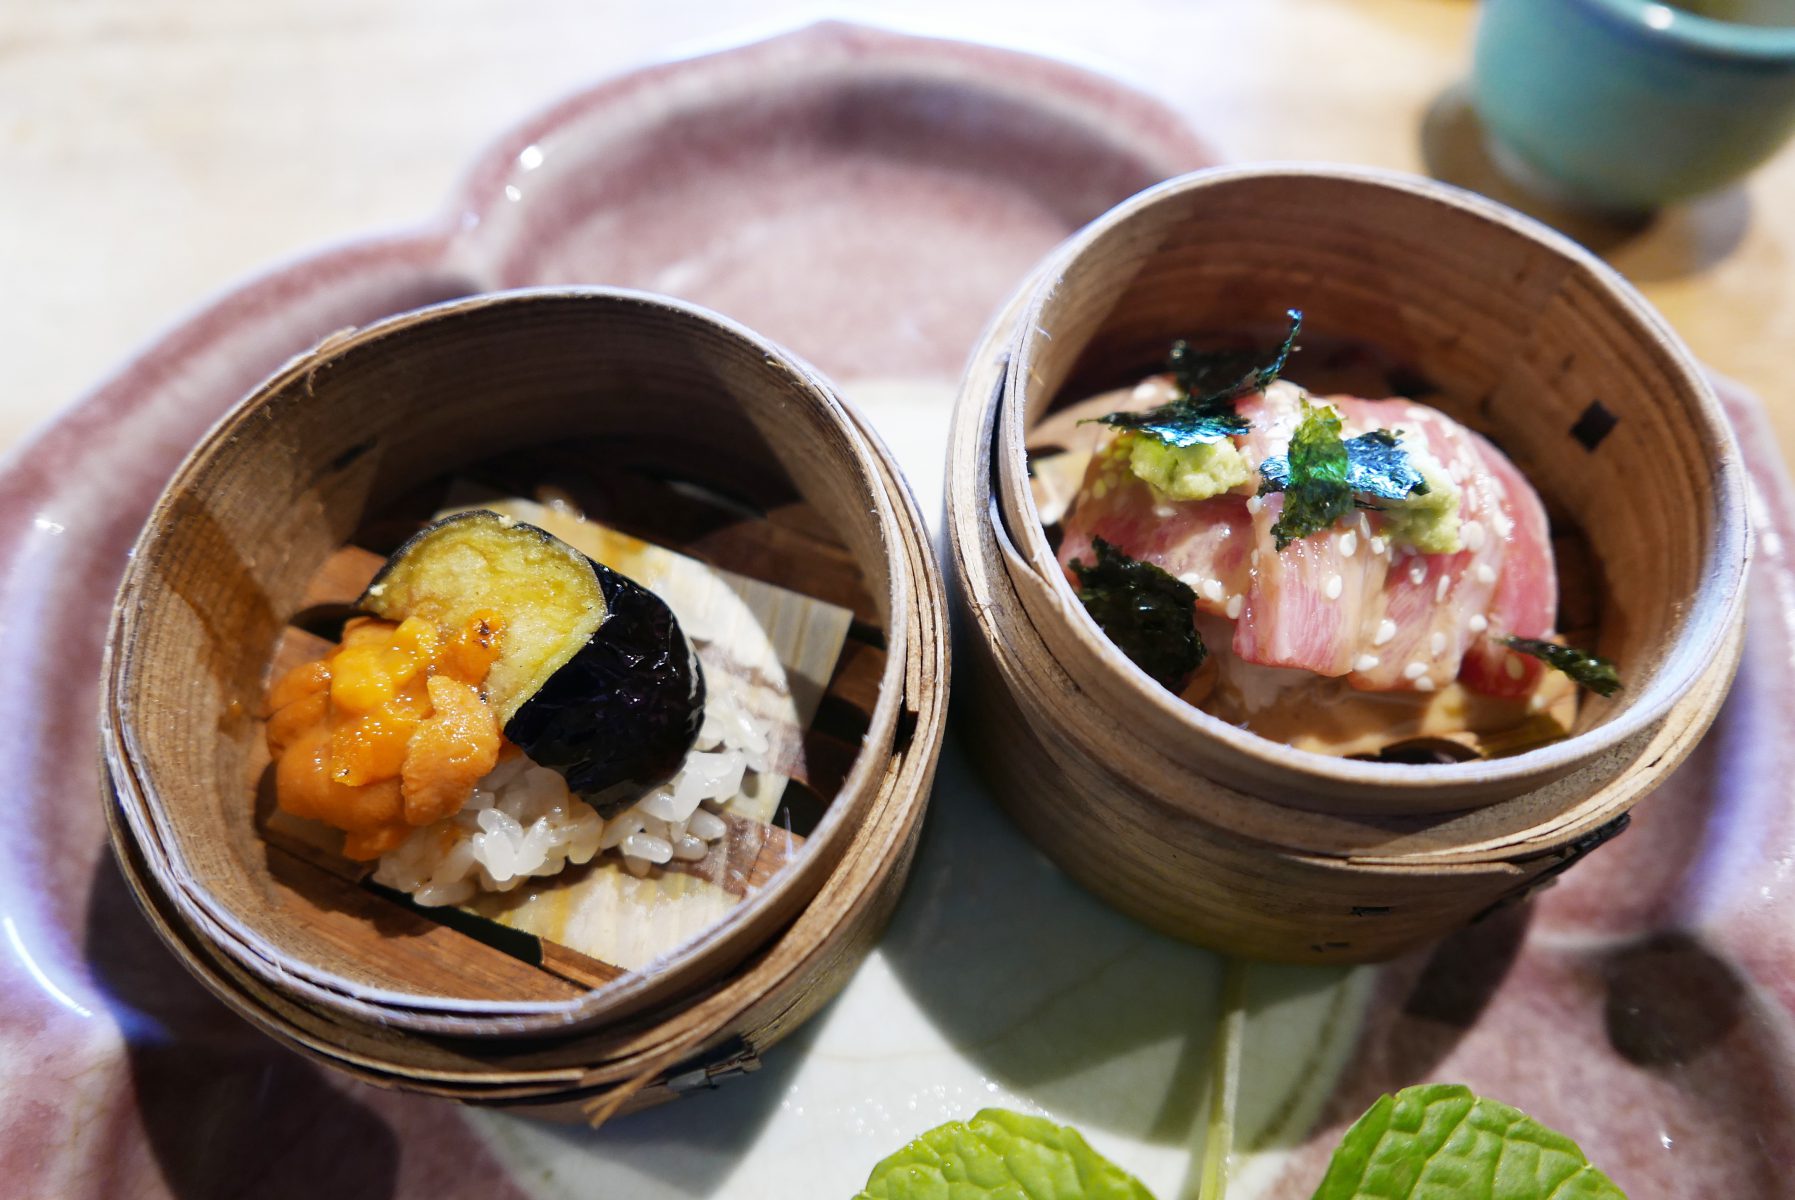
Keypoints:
(1206, 543)
(1343, 602)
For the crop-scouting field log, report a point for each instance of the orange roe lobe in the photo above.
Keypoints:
(307, 680)
(449, 752)
(471, 654)
(389, 731)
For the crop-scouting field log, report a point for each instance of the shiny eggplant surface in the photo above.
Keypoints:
(594, 677)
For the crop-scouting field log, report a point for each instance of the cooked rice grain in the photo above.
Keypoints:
(521, 822)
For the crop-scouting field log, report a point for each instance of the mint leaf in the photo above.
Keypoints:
(1315, 487)
(1591, 671)
(1442, 1142)
(1001, 1155)
(1211, 383)
(1148, 614)
(1376, 465)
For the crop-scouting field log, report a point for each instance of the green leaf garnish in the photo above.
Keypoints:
(1589, 670)
(1147, 613)
(1211, 383)
(1001, 1155)
(1437, 1141)
(1376, 465)
(1315, 486)
(1442, 1142)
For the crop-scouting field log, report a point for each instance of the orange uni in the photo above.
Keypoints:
(389, 731)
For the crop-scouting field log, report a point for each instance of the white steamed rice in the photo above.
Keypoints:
(521, 821)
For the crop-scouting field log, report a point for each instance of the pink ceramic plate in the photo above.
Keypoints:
(868, 199)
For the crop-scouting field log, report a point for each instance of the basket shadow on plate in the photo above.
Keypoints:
(690, 1148)
(1606, 970)
(1098, 1019)
(222, 1106)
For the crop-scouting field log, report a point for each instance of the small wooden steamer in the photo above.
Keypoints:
(1221, 837)
(658, 418)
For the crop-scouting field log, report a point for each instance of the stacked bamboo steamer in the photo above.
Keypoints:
(1193, 826)
(342, 434)
(1214, 834)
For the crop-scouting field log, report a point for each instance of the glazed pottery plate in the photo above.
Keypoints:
(868, 200)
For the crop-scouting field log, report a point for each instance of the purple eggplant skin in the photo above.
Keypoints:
(622, 712)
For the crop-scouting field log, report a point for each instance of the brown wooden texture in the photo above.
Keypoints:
(1255, 848)
(357, 430)
(1509, 327)
(748, 1010)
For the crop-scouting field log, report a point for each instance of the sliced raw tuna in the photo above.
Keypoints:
(1346, 601)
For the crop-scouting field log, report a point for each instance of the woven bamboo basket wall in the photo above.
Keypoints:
(666, 421)
(1212, 833)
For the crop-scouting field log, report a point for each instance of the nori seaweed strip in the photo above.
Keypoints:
(1148, 613)
(1210, 383)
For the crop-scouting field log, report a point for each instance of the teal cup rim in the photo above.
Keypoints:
(1679, 29)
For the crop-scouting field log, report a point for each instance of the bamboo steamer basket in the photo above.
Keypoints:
(351, 432)
(589, 1078)
(1213, 834)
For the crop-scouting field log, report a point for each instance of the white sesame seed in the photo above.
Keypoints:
(1379, 545)
(1513, 667)
(1366, 662)
(1364, 524)
(1504, 526)
(1474, 535)
(1164, 511)
(1386, 629)
(1414, 670)
(1441, 588)
(1334, 586)
(1254, 504)
(1478, 623)
(1436, 644)
(1212, 590)
(1418, 572)
(1536, 702)
(1485, 573)
(1192, 579)
(1254, 560)
(1235, 603)
(1424, 684)
(1156, 388)
(1349, 543)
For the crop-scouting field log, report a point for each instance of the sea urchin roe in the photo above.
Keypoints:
(388, 731)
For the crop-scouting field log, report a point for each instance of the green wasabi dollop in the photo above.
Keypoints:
(1429, 520)
(1195, 472)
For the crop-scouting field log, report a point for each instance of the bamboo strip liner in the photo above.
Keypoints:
(718, 610)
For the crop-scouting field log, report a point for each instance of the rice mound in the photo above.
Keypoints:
(522, 822)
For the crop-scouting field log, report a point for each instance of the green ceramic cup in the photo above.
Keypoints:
(1628, 104)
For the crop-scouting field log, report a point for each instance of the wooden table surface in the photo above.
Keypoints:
(153, 151)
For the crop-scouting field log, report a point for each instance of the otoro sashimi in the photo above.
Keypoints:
(1362, 573)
